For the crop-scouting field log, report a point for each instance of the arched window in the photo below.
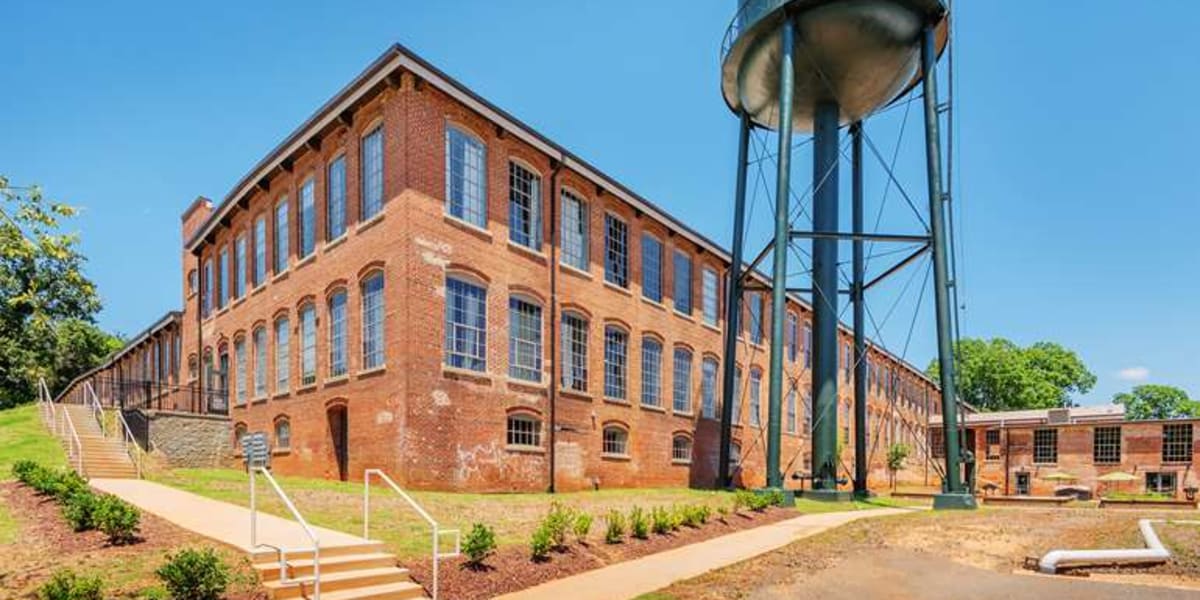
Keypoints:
(372, 321)
(282, 355)
(259, 338)
(283, 433)
(523, 430)
(239, 431)
(616, 441)
(651, 371)
(755, 397)
(308, 344)
(735, 455)
(708, 388)
(574, 350)
(616, 361)
(466, 324)
(681, 448)
(466, 177)
(524, 339)
(337, 333)
(681, 381)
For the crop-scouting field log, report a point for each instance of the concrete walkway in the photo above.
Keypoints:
(216, 520)
(643, 575)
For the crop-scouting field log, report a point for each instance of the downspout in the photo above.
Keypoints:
(1153, 553)
(199, 340)
(554, 345)
(1007, 453)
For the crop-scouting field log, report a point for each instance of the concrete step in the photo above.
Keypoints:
(329, 565)
(333, 582)
(266, 555)
(390, 591)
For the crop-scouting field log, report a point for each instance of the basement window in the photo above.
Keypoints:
(616, 441)
(523, 430)
(681, 449)
(283, 434)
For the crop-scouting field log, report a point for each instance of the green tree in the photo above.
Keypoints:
(896, 455)
(1150, 401)
(47, 304)
(998, 374)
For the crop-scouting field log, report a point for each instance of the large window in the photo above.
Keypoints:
(207, 284)
(806, 343)
(574, 231)
(681, 448)
(1045, 446)
(681, 381)
(308, 218)
(790, 335)
(993, 444)
(372, 321)
(574, 350)
(524, 207)
(260, 362)
(337, 334)
(466, 325)
(239, 266)
(791, 411)
(524, 339)
(708, 388)
(371, 168)
(756, 318)
(1106, 445)
(223, 278)
(937, 443)
(281, 236)
(683, 282)
(308, 345)
(282, 358)
(651, 372)
(755, 397)
(239, 356)
(335, 199)
(616, 363)
(737, 395)
(1177, 443)
(651, 267)
(523, 430)
(466, 177)
(616, 251)
(283, 433)
(616, 441)
(808, 413)
(710, 291)
(260, 250)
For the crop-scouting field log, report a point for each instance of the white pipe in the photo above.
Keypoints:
(1154, 552)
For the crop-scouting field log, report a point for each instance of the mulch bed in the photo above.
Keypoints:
(511, 569)
(47, 543)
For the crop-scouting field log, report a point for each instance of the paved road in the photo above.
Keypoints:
(903, 575)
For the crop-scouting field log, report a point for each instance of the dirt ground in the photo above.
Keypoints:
(45, 543)
(914, 556)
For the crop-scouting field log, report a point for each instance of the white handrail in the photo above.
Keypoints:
(437, 531)
(92, 401)
(127, 440)
(46, 404)
(75, 447)
(283, 567)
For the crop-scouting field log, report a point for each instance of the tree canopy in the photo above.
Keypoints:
(997, 374)
(47, 304)
(1151, 401)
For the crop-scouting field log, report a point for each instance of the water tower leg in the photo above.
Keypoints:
(733, 306)
(779, 265)
(826, 155)
(861, 460)
(954, 493)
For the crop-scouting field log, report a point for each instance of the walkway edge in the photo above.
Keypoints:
(639, 576)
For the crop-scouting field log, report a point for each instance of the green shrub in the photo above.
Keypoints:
(743, 499)
(694, 515)
(639, 525)
(541, 543)
(660, 520)
(614, 530)
(62, 484)
(582, 525)
(192, 574)
(22, 470)
(775, 498)
(558, 523)
(80, 510)
(479, 543)
(154, 593)
(66, 585)
(722, 512)
(117, 518)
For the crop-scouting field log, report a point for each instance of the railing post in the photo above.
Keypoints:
(253, 511)
(436, 559)
(366, 504)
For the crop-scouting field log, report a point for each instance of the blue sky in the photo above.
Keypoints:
(1076, 155)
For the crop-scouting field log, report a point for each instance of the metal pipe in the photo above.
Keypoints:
(952, 484)
(733, 305)
(555, 343)
(826, 155)
(1154, 552)
(779, 265)
(858, 297)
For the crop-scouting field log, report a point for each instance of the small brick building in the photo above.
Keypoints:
(415, 280)
(1044, 452)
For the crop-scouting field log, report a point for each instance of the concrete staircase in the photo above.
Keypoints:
(354, 572)
(103, 456)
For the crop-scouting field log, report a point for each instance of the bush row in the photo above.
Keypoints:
(84, 509)
(189, 574)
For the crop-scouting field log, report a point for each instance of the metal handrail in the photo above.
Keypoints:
(128, 442)
(75, 447)
(283, 567)
(437, 531)
(46, 404)
(92, 401)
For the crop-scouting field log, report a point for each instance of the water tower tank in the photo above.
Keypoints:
(857, 54)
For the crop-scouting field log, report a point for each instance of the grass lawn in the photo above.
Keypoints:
(9, 528)
(23, 436)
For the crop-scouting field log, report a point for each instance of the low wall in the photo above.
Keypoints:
(188, 439)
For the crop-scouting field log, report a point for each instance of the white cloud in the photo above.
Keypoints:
(1133, 374)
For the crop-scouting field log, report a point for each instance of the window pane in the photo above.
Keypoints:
(239, 267)
(466, 177)
(616, 441)
(335, 208)
(239, 353)
(791, 411)
(683, 283)
(260, 362)
(524, 207)
(651, 372)
(708, 388)
(308, 341)
(1106, 444)
(372, 311)
(1045, 446)
(281, 237)
(1177, 443)
(208, 287)
(681, 449)
(523, 431)
(282, 360)
(756, 322)
(710, 291)
(524, 340)
(681, 381)
(223, 278)
(372, 174)
(308, 218)
(466, 325)
(651, 267)
(260, 250)
(574, 349)
(755, 397)
(616, 251)
(574, 232)
(616, 345)
(337, 334)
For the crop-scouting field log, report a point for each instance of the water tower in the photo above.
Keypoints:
(815, 66)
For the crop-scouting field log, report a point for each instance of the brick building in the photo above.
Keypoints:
(417, 281)
(1027, 452)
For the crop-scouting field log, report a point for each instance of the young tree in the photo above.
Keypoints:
(897, 454)
(1150, 401)
(47, 304)
(998, 374)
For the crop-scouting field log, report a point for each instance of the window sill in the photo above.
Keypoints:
(527, 251)
(343, 378)
(335, 242)
(470, 228)
(280, 276)
(238, 302)
(222, 310)
(654, 408)
(680, 461)
(687, 316)
(615, 457)
(479, 377)
(525, 384)
(612, 286)
(617, 401)
(525, 449)
(258, 400)
(306, 260)
(654, 303)
(576, 271)
(279, 395)
(371, 371)
(580, 395)
(258, 288)
(281, 451)
(369, 223)
(308, 387)
(683, 413)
